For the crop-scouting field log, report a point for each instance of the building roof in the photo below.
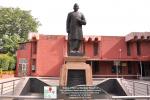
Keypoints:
(138, 36)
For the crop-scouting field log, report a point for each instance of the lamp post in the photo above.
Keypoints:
(118, 63)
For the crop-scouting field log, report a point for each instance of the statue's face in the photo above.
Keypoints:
(76, 8)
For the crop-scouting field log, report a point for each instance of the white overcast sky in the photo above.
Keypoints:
(104, 17)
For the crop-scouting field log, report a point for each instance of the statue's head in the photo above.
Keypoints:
(76, 7)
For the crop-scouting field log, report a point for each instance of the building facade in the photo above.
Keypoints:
(109, 56)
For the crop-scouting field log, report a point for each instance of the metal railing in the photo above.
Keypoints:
(130, 97)
(117, 76)
(8, 86)
(40, 97)
(20, 97)
(136, 88)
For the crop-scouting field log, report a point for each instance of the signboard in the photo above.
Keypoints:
(76, 77)
(50, 92)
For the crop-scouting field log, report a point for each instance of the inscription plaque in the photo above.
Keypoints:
(76, 77)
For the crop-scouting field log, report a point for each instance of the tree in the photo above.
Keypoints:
(15, 24)
(10, 43)
(17, 21)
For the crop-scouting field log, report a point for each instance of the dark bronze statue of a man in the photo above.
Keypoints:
(74, 23)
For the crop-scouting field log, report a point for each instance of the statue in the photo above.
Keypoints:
(74, 23)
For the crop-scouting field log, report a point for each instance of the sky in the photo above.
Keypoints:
(104, 17)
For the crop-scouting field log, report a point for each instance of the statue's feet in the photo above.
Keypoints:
(72, 51)
(77, 51)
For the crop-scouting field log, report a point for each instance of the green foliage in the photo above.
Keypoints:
(17, 21)
(7, 62)
(10, 43)
(12, 63)
(4, 61)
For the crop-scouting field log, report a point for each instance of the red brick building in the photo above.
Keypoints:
(109, 56)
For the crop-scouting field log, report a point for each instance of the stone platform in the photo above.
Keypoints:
(75, 72)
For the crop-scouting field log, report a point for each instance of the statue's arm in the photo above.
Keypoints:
(83, 21)
(68, 23)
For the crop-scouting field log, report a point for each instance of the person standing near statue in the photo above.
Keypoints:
(74, 23)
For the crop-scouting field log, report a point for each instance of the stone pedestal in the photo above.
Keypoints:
(75, 72)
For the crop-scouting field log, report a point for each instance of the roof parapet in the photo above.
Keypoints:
(33, 35)
(88, 38)
(137, 36)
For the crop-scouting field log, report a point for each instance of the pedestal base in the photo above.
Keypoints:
(75, 72)
(76, 54)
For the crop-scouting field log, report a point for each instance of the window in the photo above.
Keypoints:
(23, 64)
(113, 69)
(22, 67)
(138, 44)
(23, 60)
(95, 48)
(95, 66)
(22, 46)
(129, 68)
(33, 68)
(119, 69)
(128, 49)
(33, 65)
(34, 47)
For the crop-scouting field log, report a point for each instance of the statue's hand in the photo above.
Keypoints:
(79, 21)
